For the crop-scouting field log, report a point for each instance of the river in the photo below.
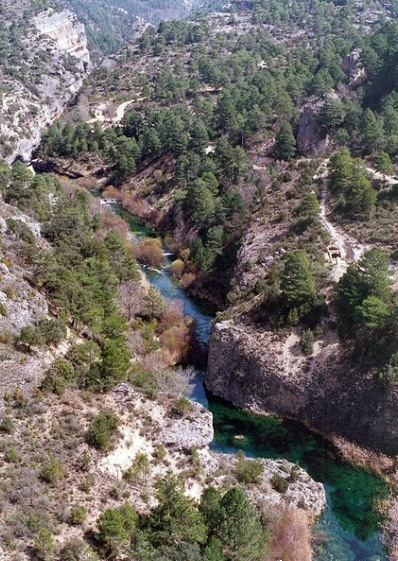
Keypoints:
(351, 520)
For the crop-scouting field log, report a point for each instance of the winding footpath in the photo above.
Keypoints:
(346, 247)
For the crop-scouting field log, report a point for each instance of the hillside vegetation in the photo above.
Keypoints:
(261, 141)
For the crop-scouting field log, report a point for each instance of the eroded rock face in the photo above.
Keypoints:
(57, 44)
(193, 431)
(68, 34)
(353, 68)
(312, 137)
(180, 435)
(21, 305)
(265, 372)
(302, 491)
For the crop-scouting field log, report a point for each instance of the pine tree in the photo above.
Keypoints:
(239, 529)
(176, 518)
(285, 143)
(297, 280)
(373, 132)
(383, 164)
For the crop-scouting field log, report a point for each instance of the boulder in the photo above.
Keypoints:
(193, 431)
(312, 138)
(353, 68)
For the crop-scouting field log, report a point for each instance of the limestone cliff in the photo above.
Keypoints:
(21, 305)
(265, 373)
(261, 368)
(49, 63)
(68, 34)
(311, 136)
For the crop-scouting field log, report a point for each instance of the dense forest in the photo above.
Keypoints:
(230, 95)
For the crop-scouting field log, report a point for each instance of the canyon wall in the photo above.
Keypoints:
(264, 372)
(36, 93)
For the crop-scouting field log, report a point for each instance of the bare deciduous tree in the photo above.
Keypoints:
(175, 381)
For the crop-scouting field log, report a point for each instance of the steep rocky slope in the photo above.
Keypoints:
(50, 470)
(266, 373)
(22, 305)
(260, 365)
(43, 66)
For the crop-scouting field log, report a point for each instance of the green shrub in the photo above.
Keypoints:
(21, 230)
(78, 515)
(6, 337)
(59, 376)
(53, 330)
(116, 529)
(77, 550)
(30, 336)
(145, 380)
(44, 545)
(103, 429)
(7, 425)
(307, 342)
(279, 483)
(3, 310)
(139, 470)
(11, 455)
(160, 452)
(182, 406)
(52, 472)
(248, 471)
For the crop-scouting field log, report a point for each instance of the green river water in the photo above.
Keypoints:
(349, 528)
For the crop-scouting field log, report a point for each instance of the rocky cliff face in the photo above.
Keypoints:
(265, 372)
(21, 305)
(353, 68)
(68, 34)
(179, 436)
(37, 88)
(311, 137)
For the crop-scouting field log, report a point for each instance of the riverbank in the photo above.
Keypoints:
(351, 521)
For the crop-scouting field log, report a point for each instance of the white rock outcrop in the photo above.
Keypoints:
(193, 431)
(68, 34)
(154, 425)
(58, 46)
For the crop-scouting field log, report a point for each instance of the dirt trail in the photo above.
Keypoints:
(345, 247)
(101, 109)
(387, 179)
(121, 109)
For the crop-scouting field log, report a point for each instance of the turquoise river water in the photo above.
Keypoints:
(349, 528)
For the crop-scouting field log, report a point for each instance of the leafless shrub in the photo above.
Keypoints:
(111, 221)
(175, 381)
(135, 342)
(131, 294)
(136, 206)
(290, 536)
(173, 313)
(153, 361)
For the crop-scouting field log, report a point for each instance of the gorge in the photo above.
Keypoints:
(260, 143)
(351, 520)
